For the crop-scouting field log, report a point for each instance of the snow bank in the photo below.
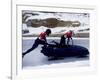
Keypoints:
(57, 30)
(83, 18)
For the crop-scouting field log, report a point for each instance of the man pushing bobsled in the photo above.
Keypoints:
(61, 50)
(68, 36)
(41, 39)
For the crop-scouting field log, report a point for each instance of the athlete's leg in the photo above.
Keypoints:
(68, 41)
(35, 45)
(72, 40)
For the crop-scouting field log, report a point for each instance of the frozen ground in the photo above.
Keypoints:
(36, 59)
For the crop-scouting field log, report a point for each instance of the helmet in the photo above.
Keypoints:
(48, 31)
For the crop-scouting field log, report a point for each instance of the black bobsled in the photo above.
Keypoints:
(66, 51)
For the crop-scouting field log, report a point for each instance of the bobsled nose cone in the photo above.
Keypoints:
(86, 52)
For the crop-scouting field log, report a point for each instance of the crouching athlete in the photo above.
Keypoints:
(68, 36)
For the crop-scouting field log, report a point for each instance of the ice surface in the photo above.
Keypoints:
(36, 59)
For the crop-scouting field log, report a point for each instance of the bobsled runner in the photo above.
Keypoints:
(66, 51)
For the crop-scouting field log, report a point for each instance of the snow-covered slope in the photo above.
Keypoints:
(66, 16)
(57, 30)
(83, 18)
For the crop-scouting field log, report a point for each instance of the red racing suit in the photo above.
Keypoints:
(68, 34)
(42, 36)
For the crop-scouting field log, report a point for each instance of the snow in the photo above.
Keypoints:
(57, 30)
(83, 18)
(36, 60)
(24, 26)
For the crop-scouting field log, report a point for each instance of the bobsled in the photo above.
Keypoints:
(66, 51)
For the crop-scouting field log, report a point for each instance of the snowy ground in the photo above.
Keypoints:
(83, 18)
(57, 30)
(36, 59)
